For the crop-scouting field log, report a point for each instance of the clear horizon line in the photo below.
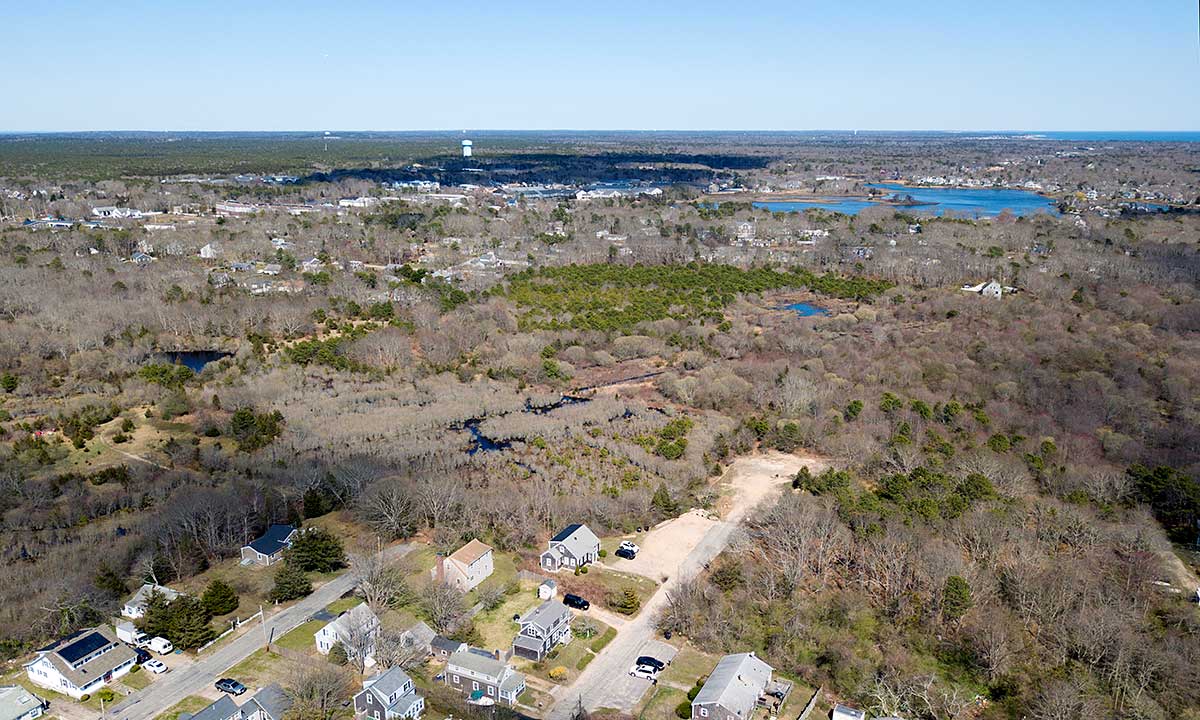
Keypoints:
(599, 130)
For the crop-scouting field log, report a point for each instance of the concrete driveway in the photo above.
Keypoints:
(606, 683)
(200, 675)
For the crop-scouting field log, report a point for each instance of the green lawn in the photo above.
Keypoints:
(535, 699)
(688, 665)
(496, 627)
(662, 703)
(604, 638)
(417, 564)
(191, 704)
(139, 680)
(257, 670)
(341, 605)
(504, 571)
(301, 638)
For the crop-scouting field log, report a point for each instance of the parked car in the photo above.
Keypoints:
(574, 601)
(160, 645)
(632, 547)
(158, 667)
(626, 553)
(645, 672)
(231, 686)
(143, 657)
(651, 662)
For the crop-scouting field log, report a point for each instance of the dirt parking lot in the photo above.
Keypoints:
(748, 482)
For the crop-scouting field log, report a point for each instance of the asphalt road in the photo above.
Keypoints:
(174, 686)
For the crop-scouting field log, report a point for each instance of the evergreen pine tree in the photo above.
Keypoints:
(316, 550)
(290, 584)
(219, 598)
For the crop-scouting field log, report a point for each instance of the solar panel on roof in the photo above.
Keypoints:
(83, 647)
(62, 641)
(566, 532)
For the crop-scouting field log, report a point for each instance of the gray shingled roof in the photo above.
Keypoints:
(389, 682)
(546, 614)
(736, 683)
(222, 709)
(576, 539)
(142, 596)
(487, 666)
(273, 700)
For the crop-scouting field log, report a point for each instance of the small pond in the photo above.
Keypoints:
(195, 360)
(806, 310)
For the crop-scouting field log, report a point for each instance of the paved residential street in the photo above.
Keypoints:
(169, 689)
(606, 682)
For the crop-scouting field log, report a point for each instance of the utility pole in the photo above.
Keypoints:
(262, 617)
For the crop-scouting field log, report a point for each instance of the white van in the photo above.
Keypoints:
(160, 645)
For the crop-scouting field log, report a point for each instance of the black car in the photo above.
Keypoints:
(625, 553)
(651, 662)
(576, 602)
(142, 655)
(231, 686)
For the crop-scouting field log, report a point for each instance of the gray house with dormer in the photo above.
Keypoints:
(387, 696)
(542, 628)
(574, 546)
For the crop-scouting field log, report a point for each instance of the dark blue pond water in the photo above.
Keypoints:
(193, 359)
(806, 310)
(483, 443)
(934, 201)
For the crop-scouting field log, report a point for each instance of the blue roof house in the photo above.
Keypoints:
(268, 549)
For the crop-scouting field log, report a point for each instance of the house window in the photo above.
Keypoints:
(370, 700)
(491, 691)
(703, 712)
(457, 681)
(474, 685)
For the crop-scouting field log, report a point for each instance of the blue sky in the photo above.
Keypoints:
(402, 65)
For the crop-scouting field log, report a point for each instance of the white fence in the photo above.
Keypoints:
(233, 625)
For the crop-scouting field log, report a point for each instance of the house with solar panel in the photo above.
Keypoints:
(574, 546)
(81, 663)
(268, 549)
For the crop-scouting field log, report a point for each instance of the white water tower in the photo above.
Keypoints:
(466, 146)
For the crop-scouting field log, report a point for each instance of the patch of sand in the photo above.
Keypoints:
(747, 482)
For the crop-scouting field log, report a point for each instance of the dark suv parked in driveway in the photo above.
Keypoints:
(576, 602)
